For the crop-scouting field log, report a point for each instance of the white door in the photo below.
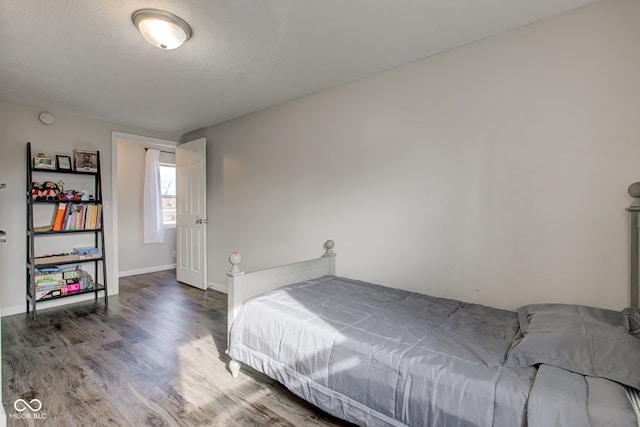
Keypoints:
(191, 215)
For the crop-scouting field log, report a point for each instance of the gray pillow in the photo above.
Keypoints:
(586, 340)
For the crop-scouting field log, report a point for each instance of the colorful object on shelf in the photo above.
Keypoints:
(70, 195)
(41, 161)
(57, 281)
(47, 191)
(54, 191)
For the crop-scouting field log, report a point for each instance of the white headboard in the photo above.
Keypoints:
(242, 286)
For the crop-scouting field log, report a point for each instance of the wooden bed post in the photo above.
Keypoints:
(234, 283)
(330, 253)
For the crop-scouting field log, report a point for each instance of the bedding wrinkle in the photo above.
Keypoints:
(401, 400)
(281, 338)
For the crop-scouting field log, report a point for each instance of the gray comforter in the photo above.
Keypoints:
(379, 356)
(563, 398)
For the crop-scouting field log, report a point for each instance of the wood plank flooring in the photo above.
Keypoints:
(154, 357)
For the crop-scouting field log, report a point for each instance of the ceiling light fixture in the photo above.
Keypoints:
(162, 29)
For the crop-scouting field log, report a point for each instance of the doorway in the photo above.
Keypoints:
(131, 256)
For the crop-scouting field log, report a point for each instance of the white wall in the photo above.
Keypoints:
(134, 257)
(493, 173)
(18, 125)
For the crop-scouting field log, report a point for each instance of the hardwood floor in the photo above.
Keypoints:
(154, 357)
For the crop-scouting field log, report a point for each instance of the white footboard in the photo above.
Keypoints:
(242, 286)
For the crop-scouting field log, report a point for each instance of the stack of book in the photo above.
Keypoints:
(57, 281)
(73, 217)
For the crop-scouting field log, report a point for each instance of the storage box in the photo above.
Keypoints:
(43, 162)
(86, 251)
(51, 286)
(73, 287)
(47, 278)
(72, 274)
(48, 294)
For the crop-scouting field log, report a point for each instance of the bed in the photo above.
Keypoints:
(379, 356)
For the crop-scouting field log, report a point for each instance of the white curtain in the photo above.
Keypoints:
(152, 208)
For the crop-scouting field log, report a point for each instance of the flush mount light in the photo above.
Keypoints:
(162, 29)
(47, 118)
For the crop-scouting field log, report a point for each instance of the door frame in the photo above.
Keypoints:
(114, 285)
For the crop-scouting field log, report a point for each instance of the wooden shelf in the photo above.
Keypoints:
(44, 233)
(55, 264)
(75, 202)
(64, 171)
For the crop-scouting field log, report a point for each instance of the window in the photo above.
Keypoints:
(168, 190)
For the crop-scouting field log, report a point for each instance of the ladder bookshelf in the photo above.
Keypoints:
(66, 274)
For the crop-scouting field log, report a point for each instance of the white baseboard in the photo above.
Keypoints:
(217, 287)
(22, 308)
(10, 311)
(146, 270)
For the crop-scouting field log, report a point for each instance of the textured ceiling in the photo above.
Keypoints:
(85, 57)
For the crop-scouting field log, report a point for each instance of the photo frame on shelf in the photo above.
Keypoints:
(64, 163)
(85, 160)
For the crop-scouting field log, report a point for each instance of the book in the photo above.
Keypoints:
(99, 217)
(67, 219)
(59, 217)
(47, 270)
(48, 278)
(79, 225)
(94, 216)
(74, 220)
(87, 217)
(50, 286)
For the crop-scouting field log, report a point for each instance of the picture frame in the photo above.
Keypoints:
(85, 160)
(64, 163)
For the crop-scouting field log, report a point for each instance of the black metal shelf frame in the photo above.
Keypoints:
(32, 235)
